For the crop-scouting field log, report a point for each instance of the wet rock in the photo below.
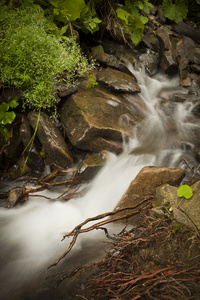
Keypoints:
(185, 211)
(107, 60)
(183, 72)
(167, 62)
(51, 139)
(95, 120)
(13, 148)
(150, 61)
(65, 90)
(118, 81)
(187, 30)
(35, 161)
(146, 182)
(89, 167)
(185, 48)
(14, 196)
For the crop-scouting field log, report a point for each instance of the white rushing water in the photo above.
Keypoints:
(31, 235)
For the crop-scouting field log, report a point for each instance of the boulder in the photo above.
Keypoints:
(118, 81)
(167, 62)
(35, 161)
(65, 90)
(150, 60)
(146, 182)
(107, 60)
(185, 48)
(95, 119)
(185, 211)
(90, 166)
(51, 139)
(187, 30)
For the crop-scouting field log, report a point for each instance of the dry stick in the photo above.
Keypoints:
(78, 230)
(101, 216)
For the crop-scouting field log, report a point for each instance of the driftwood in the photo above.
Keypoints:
(77, 230)
(21, 194)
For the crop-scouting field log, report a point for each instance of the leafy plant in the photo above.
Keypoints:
(175, 10)
(33, 60)
(185, 191)
(133, 20)
(7, 116)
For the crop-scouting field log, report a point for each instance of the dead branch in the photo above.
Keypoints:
(77, 230)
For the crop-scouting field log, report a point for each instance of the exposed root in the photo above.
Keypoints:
(77, 230)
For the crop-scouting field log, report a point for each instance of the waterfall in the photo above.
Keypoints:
(31, 235)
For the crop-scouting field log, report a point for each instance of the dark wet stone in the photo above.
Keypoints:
(187, 30)
(95, 119)
(51, 139)
(89, 167)
(118, 81)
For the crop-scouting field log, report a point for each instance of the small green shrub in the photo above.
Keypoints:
(33, 60)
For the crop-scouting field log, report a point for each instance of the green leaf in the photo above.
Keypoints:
(143, 19)
(185, 191)
(140, 5)
(8, 118)
(4, 107)
(136, 36)
(5, 132)
(198, 1)
(123, 15)
(13, 103)
(175, 12)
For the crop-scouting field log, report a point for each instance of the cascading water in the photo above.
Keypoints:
(31, 235)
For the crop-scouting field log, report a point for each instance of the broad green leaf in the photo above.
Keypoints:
(136, 36)
(4, 107)
(9, 117)
(13, 103)
(198, 1)
(185, 191)
(123, 15)
(140, 5)
(143, 19)
(176, 12)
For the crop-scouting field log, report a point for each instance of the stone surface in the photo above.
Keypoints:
(150, 60)
(187, 30)
(51, 139)
(146, 182)
(185, 211)
(95, 120)
(118, 81)
(167, 55)
(89, 167)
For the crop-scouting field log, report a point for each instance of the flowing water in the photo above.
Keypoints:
(31, 235)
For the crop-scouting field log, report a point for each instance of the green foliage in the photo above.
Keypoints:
(7, 116)
(185, 191)
(33, 60)
(175, 11)
(133, 20)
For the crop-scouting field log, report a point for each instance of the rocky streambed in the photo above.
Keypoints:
(136, 110)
